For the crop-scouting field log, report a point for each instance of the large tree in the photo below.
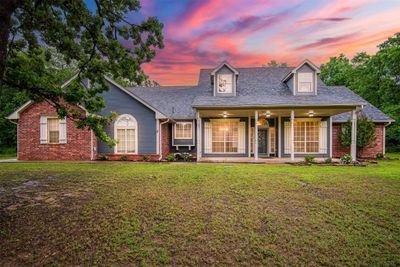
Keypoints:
(375, 77)
(108, 39)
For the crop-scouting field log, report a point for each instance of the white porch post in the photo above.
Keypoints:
(198, 135)
(255, 135)
(353, 150)
(330, 138)
(279, 136)
(292, 135)
(249, 139)
(268, 143)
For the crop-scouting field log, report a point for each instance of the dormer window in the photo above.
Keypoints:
(225, 83)
(306, 82)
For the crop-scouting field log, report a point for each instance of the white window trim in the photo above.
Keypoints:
(191, 130)
(47, 141)
(313, 120)
(225, 153)
(136, 134)
(300, 81)
(232, 83)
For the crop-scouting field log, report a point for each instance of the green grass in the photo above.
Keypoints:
(8, 152)
(199, 214)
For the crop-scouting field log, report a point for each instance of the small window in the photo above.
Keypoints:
(305, 82)
(183, 130)
(225, 84)
(53, 128)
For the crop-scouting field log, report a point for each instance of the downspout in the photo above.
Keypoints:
(160, 140)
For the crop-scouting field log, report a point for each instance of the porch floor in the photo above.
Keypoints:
(271, 160)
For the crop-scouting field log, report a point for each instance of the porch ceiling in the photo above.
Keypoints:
(299, 112)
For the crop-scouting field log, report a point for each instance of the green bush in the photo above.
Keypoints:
(328, 160)
(171, 157)
(124, 158)
(380, 155)
(346, 159)
(309, 159)
(103, 157)
(186, 156)
(146, 158)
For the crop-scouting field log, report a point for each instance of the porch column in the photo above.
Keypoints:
(292, 135)
(353, 150)
(249, 139)
(279, 136)
(255, 135)
(330, 138)
(198, 135)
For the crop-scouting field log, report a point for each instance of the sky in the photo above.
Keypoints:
(247, 33)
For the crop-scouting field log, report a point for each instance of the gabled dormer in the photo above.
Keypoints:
(302, 80)
(224, 79)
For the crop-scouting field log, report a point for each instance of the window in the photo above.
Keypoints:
(306, 136)
(53, 130)
(225, 83)
(126, 134)
(183, 130)
(225, 136)
(305, 82)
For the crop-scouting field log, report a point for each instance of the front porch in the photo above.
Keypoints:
(270, 135)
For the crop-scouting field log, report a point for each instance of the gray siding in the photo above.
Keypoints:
(122, 103)
(325, 155)
(290, 84)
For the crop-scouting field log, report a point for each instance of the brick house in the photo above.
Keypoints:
(231, 113)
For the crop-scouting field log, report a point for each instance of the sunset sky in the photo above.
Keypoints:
(202, 33)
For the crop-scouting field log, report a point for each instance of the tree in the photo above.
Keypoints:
(100, 41)
(365, 133)
(374, 77)
(274, 64)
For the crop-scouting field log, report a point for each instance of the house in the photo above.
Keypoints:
(232, 112)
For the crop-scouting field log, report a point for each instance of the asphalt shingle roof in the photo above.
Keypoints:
(258, 86)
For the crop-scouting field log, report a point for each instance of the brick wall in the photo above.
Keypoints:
(165, 139)
(369, 152)
(78, 146)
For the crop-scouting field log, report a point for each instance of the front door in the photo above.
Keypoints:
(262, 141)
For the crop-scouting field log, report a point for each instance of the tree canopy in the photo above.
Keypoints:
(110, 39)
(275, 64)
(374, 77)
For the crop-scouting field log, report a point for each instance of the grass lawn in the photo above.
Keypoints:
(189, 214)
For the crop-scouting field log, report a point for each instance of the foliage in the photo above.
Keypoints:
(346, 159)
(328, 160)
(103, 157)
(275, 64)
(365, 133)
(170, 157)
(146, 158)
(124, 158)
(380, 155)
(374, 77)
(110, 39)
(309, 159)
(186, 156)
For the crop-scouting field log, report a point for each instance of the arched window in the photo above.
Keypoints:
(126, 132)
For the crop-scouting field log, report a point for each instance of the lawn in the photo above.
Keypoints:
(199, 214)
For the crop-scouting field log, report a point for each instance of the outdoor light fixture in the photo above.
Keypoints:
(224, 114)
(268, 114)
(311, 113)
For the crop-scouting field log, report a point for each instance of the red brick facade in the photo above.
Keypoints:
(79, 142)
(165, 139)
(369, 152)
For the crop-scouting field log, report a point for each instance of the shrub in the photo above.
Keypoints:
(346, 159)
(380, 155)
(328, 160)
(103, 157)
(171, 157)
(186, 156)
(309, 159)
(124, 158)
(146, 158)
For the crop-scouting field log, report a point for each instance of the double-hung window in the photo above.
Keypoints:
(183, 130)
(305, 82)
(53, 130)
(126, 135)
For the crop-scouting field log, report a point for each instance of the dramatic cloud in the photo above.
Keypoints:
(202, 33)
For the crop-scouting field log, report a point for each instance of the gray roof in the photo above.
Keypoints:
(258, 86)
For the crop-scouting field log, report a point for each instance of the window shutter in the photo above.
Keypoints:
(43, 130)
(288, 130)
(63, 131)
(242, 137)
(323, 136)
(207, 137)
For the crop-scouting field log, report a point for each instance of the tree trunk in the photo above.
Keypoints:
(6, 10)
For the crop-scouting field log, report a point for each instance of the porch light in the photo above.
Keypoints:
(268, 114)
(311, 113)
(225, 114)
